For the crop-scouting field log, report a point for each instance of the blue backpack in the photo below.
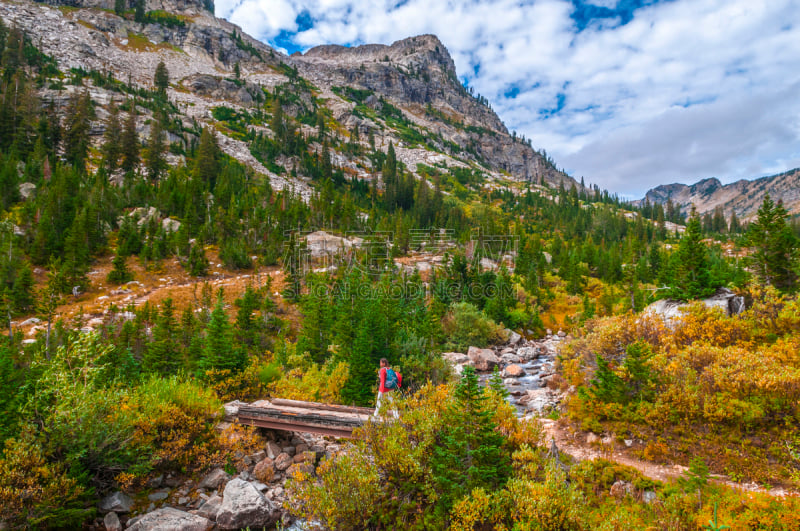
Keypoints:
(391, 379)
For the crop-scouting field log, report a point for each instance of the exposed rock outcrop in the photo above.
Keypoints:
(169, 519)
(244, 506)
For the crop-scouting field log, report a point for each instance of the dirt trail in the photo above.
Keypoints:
(569, 444)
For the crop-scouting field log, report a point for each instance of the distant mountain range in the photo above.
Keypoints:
(743, 197)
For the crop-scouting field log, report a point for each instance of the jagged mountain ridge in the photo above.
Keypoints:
(743, 196)
(419, 78)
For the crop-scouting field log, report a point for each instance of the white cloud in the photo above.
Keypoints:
(687, 89)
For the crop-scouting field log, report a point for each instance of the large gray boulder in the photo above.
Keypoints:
(169, 519)
(513, 337)
(528, 353)
(724, 299)
(244, 506)
(210, 508)
(483, 359)
(214, 479)
(119, 502)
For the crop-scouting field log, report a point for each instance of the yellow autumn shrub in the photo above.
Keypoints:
(36, 492)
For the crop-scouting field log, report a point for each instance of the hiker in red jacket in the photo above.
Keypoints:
(390, 381)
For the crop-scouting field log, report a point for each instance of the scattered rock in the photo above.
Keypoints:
(31, 321)
(455, 358)
(510, 358)
(513, 337)
(513, 371)
(244, 506)
(158, 496)
(483, 359)
(528, 353)
(169, 519)
(264, 470)
(214, 479)
(291, 450)
(112, 523)
(541, 400)
(259, 456)
(119, 502)
(649, 497)
(592, 438)
(273, 450)
(26, 189)
(210, 508)
(283, 461)
(170, 225)
(620, 489)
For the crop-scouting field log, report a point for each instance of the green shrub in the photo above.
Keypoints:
(466, 326)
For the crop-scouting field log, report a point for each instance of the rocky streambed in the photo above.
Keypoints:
(526, 366)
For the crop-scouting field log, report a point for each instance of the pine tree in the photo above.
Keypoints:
(119, 7)
(775, 253)
(277, 123)
(120, 274)
(734, 227)
(692, 279)
(718, 222)
(111, 138)
(22, 293)
(470, 452)
(496, 384)
(138, 14)
(161, 78)
(206, 164)
(246, 328)
(198, 263)
(163, 355)
(606, 386)
(639, 377)
(49, 300)
(130, 142)
(218, 351)
(155, 163)
(78, 122)
(9, 398)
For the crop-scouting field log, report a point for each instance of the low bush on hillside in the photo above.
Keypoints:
(459, 458)
(466, 326)
(86, 430)
(732, 383)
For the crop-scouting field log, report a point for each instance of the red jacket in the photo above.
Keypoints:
(382, 376)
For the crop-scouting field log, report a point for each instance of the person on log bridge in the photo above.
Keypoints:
(390, 381)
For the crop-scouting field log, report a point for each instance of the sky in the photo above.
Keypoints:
(627, 94)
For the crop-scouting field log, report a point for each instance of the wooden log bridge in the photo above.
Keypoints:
(307, 417)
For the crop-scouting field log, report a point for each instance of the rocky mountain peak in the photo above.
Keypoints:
(423, 52)
(742, 197)
(170, 6)
(707, 186)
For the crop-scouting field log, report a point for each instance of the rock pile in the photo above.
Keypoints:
(251, 497)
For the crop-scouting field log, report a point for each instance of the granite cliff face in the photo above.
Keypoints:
(416, 75)
(743, 197)
(419, 75)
